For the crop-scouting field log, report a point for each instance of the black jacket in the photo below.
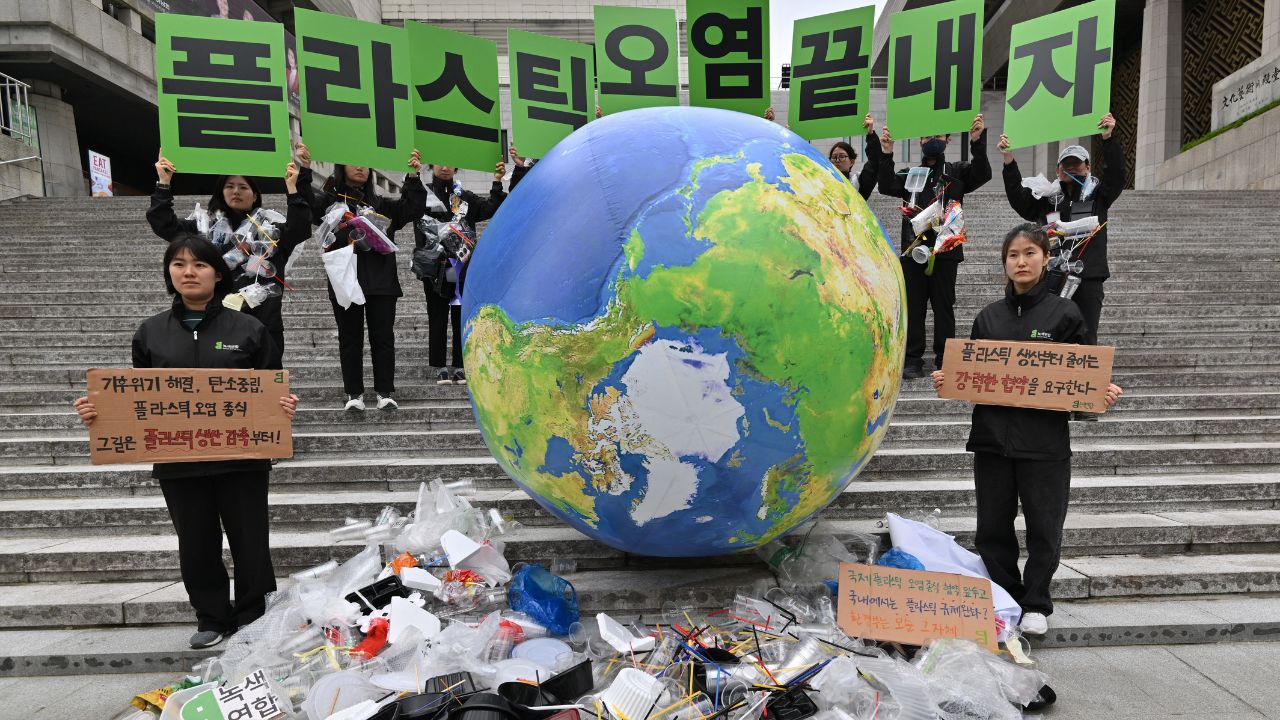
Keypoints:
(1025, 433)
(479, 209)
(1110, 185)
(297, 226)
(223, 339)
(870, 172)
(961, 178)
(377, 272)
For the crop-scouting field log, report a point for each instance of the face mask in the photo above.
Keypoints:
(935, 147)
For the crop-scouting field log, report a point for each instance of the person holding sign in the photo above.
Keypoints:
(350, 190)
(444, 271)
(933, 282)
(1024, 454)
(843, 156)
(236, 223)
(1078, 196)
(204, 498)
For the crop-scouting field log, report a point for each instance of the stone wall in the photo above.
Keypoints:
(19, 178)
(1244, 158)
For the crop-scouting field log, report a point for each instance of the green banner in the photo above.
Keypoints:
(637, 56)
(1059, 74)
(355, 90)
(551, 89)
(831, 73)
(455, 97)
(220, 91)
(935, 60)
(729, 54)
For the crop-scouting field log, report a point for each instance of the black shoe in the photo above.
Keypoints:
(205, 639)
(1084, 417)
(912, 373)
(443, 377)
(459, 376)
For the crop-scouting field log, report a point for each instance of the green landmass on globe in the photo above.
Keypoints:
(710, 404)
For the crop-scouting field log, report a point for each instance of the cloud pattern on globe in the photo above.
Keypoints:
(684, 331)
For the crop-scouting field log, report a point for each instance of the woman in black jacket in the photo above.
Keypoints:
(448, 202)
(1024, 454)
(236, 198)
(843, 156)
(205, 497)
(378, 276)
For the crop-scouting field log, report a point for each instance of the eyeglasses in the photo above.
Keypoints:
(841, 156)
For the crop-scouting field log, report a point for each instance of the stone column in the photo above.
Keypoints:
(59, 143)
(1159, 89)
(1270, 26)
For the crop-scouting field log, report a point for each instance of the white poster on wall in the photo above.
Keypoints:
(99, 175)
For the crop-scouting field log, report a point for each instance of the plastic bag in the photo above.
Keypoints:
(340, 266)
(896, 558)
(201, 218)
(962, 684)
(551, 601)
(1041, 187)
(368, 229)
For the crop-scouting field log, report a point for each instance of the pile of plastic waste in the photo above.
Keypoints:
(428, 621)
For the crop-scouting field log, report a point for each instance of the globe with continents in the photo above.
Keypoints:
(683, 331)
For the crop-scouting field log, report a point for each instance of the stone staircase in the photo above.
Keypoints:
(1174, 533)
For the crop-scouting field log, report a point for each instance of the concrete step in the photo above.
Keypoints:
(460, 436)
(154, 557)
(131, 649)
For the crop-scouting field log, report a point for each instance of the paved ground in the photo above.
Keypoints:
(1230, 681)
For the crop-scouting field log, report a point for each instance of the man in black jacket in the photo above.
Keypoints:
(1081, 195)
(934, 283)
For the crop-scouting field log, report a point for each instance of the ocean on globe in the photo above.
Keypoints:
(683, 331)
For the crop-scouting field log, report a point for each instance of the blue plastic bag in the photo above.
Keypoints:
(550, 600)
(895, 558)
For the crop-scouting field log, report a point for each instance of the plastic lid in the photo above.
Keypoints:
(547, 652)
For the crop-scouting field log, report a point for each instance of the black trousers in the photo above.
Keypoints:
(440, 315)
(201, 508)
(268, 313)
(380, 311)
(1042, 486)
(939, 291)
(1088, 298)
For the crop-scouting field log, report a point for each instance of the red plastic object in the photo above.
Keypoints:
(374, 640)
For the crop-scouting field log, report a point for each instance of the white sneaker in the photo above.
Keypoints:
(1034, 623)
(443, 377)
(355, 403)
(386, 403)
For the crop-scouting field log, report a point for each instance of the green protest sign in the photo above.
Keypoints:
(1059, 74)
(551, 89)
(220, 91)
(355, 90)
(729, 54)
(830, 73)
(637, 63)
(455, 97)
(935, 57)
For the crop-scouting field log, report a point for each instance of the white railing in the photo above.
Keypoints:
(16, 118)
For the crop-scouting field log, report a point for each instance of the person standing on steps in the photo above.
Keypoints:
(448, 202)
(378, 276)
(933, 284)
(206, 498)
(1024, 454)
(843, 156)
(235, 199)
(1080, 195)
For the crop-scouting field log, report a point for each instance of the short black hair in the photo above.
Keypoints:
(853, 154)
(204, 251)
(1030, 231)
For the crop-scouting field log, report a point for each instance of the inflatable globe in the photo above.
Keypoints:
(683, 331)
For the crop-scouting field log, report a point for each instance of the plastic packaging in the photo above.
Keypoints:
(896, 558)
(550, 600)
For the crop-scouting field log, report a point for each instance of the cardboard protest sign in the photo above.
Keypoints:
(1045, 375)
(551, 89)
(729, 54)
(636, 60)
(181, 415)
(455, 97)
(935, 59)
(355, 90)
(830, 73)
(249, 699)
(220, 88)
(1059, 74)
(914, 606)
